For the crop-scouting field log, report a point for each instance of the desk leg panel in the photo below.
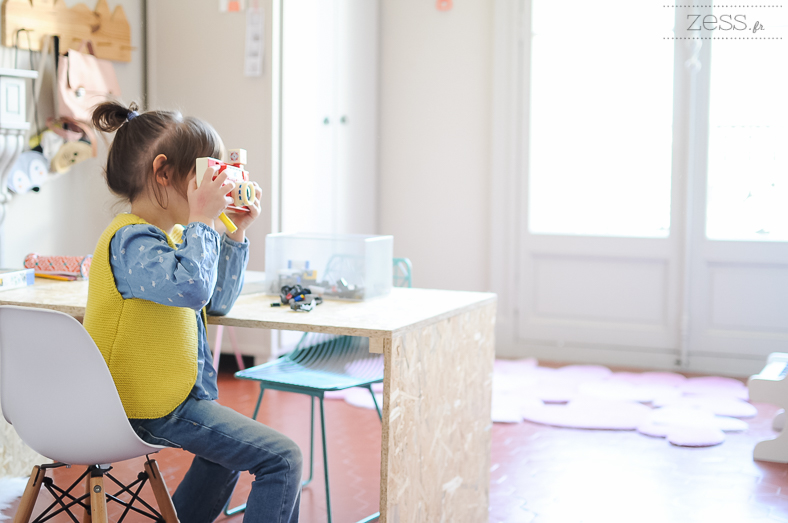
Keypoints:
(436, 421)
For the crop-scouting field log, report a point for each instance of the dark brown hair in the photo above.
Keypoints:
(141, 137)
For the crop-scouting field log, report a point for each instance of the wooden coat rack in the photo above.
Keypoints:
(108, 30)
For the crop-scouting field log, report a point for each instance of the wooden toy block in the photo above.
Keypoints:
(237, 156)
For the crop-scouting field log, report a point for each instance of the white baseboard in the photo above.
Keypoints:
(634, 357)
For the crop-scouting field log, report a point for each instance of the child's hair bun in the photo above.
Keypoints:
(109, 116)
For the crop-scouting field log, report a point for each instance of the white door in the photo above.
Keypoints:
(599, 257)
(308, 184)
(653, 191)
(329, 116)
(740, 264)
(357, 116)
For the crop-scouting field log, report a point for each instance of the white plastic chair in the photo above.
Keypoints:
(57, 392)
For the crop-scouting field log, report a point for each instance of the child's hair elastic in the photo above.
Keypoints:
(132, 115)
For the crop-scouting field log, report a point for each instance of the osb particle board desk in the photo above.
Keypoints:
(438, 350)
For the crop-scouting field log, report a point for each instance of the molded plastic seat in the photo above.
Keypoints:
(57, 392)
(55, 388)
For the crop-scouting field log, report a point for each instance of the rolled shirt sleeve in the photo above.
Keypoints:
(233, 258)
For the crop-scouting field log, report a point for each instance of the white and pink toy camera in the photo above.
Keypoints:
(243, 195)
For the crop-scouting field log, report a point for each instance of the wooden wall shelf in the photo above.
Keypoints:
(108, 30)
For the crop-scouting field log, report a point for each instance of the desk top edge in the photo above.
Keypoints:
(41, 295)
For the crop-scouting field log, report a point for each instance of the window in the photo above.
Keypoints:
(596, 169)
(748, 140)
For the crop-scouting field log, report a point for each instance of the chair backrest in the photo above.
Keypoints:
(349, 267)
(403, 273)
(56, 390)
(346, 354)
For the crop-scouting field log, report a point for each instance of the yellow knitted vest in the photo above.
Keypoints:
(150, 349)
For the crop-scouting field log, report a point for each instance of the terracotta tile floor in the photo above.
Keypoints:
(539, 474)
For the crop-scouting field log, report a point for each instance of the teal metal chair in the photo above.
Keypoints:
(402, 272)
(322, 363)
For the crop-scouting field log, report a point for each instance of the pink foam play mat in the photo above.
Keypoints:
(687, 412)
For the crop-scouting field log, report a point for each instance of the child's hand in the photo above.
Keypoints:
(208, 200)
(243, 220)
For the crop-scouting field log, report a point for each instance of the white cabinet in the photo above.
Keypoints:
(329, 116)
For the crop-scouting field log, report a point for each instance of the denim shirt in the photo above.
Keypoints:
(203, 271)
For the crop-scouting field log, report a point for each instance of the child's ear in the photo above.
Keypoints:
(160, 171)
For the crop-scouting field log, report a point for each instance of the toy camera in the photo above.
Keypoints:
(243, 195)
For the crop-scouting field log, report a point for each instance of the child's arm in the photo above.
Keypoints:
(233, 257)
(146, 267)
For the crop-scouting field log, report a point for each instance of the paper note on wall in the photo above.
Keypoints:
(231, 6)
(253, 62)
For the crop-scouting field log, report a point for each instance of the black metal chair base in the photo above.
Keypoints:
(61, 496)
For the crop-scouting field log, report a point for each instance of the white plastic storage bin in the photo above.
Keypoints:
(343, 266)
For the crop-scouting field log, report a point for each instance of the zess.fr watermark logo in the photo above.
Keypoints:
(730, 22)
(727, 22)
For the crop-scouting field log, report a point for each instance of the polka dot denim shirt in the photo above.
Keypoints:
(203, 271)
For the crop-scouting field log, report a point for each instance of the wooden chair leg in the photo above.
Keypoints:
(98, 500)
(25, 510)
(163, 498)
(86, 518)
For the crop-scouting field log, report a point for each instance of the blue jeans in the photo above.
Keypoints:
(225, 442)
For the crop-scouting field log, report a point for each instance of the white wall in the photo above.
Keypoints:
(69, 213)
(435, 119)
(200, 73)
(435, 110)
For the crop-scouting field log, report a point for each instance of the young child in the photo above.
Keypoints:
(151, 284)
